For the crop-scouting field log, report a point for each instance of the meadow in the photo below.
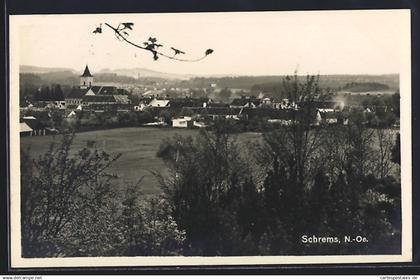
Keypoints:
(137, 146)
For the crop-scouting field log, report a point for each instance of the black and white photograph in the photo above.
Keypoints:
(146, 139)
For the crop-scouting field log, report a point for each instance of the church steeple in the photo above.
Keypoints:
(86, 73)
(86, 79)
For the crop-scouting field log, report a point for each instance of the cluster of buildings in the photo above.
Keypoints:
(185, 112)
(88, 96)
(96, 98)
(198, 112)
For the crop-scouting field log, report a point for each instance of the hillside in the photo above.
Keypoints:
(66, 76)
(363, 87)
(146, 73)
(42, 70)
(268, 83)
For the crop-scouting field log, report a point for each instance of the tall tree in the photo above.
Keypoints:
(208, 176)
(58, 190)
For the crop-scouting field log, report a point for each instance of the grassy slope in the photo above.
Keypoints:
(137, 145)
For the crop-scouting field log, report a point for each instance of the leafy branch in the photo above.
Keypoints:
(152, 45)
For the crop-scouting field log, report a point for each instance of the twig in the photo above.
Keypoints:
(154, 52)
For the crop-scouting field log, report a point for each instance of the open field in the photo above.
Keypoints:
(137, 145)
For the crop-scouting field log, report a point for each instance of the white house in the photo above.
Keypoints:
(159, 103)
(181, 122)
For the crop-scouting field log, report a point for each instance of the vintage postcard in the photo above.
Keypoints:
(210, 138)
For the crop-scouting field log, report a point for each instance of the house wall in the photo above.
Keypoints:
(74, 101)
(179, 123)
(99, 103)
(182, 122)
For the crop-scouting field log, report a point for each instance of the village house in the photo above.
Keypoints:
(284, 104)
(35, 125)
(189, 102)
(31, 126)
(176, 104)
(283, 117)
(143, 104)
(25, 129)
(213, 113)
(182, 122)
(159, 103)
(327, 117)
(245, 102)
(328, 106)
(266, 102)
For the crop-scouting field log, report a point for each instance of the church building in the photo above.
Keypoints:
(87, 94)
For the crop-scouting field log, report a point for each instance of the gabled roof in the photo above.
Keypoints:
(244, 101)
(24, 127)
(98, 98)
(186, 102)
(159, 103)
(239, 101)
(218, 105)
(104, 90)
(121, 99)
(121, 91)
(34, 123)
(86, 73)
(270, 113)
(77, 93)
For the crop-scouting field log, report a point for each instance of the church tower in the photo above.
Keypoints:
(86, 79)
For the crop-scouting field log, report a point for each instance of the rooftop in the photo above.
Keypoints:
(86, 73)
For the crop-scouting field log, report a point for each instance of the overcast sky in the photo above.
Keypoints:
(268, 43)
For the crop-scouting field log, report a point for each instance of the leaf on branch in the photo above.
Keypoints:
(209, 51)
(128, 25)
(98, 29)
(150, 47)
(152, 44)
(152, 40)
(177, 51)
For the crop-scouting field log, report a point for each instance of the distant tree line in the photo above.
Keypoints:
(114, 78)
(266, 83)
(47, 93)
(33, 88)
(360, 87)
